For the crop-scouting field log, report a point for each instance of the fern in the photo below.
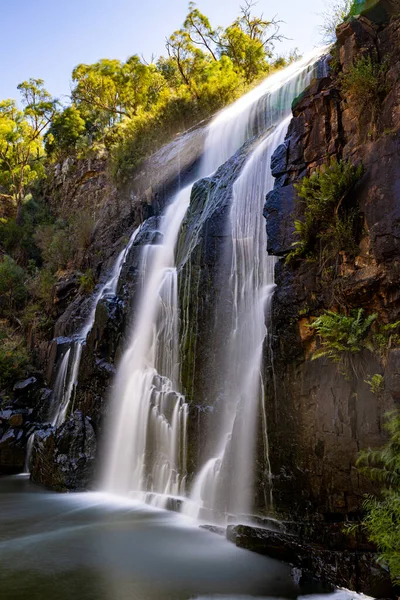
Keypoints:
(382, 520)
(321, 196)
(342, 334)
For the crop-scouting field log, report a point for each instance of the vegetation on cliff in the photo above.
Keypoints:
(329, 219)
(123, 111)
(382, 519)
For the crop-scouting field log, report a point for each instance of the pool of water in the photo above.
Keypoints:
(94, 546)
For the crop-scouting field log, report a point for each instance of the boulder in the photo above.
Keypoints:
(63, 458)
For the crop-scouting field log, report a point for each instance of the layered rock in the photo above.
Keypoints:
(318, 418)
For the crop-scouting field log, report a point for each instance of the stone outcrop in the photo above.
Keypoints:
(63, 458)
(318, 418)
(20, 416)
(357, 569)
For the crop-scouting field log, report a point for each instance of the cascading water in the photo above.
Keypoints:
(68, 371)
(147, 446)
(224, 485)
(68, 368)
(146, 455)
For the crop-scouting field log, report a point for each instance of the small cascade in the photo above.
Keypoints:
(68, 368)
(257, 111)
(68, 371)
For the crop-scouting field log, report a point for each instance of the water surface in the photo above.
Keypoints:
(95, 546)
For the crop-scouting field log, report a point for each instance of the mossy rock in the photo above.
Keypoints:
(378, 11)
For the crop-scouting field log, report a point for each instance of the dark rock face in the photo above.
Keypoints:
(63, 458)
(355, 569)
(120, 212)
(319, 419)
(19, 418)
(203, 260)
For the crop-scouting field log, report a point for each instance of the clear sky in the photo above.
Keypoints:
(47, 38)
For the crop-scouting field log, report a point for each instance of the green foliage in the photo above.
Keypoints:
(65, 132)
(327, 225)
(55, 245)
(21, 143)
(14, 358)
(362, 84)
(382, 520)
(134, 107)
(342, 335)
(36, 314)
(87, 282)
(376, 383)
(17, 239)
(41, 288)
(386, 337)
(12, 286)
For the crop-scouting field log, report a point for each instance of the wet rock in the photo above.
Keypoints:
(25, 387)
(279, 212)
(359, 571)
(279, 160)
(66, 288)
(174, 504)
(12, 451)
(63, 458)
(214, 529)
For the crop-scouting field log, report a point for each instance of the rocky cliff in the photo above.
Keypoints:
(332, 416)
(86, 188)
(318, 418)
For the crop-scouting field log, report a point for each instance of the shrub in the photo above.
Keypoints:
(382, 520)
(14, 357)
(82, 226)
(342, 335)
(87, 282)
(327, 225)
(362, 84)
(13, 291)
(37, 319)
(376, 383)
(54, 242)
(42, 288)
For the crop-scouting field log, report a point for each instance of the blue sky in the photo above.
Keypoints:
(47, 38)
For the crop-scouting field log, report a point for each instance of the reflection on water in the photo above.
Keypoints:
(94, 546)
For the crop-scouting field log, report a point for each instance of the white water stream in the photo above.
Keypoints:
(225, 483)
(68, 368)
(146, 452)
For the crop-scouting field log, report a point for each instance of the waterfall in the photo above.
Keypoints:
(145, 455)
(66, 378)
(68, 370)
(225, 483)
(146, 450)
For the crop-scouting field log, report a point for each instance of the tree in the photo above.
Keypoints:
(136, 80)
(21, 142)
(64, 132)
(12, 284)
(182, 52)
(40, 107)
(97, 93)
(249, 42)
(200, 32)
